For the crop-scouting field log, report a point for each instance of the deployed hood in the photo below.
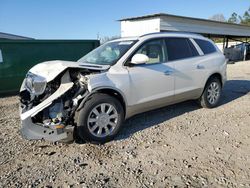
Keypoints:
(50, 69)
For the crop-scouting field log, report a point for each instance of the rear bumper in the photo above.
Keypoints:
(32, 131)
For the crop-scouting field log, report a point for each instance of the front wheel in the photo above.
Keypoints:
(211, 94)
(100, 119)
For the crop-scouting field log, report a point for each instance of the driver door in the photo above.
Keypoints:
(152, 83)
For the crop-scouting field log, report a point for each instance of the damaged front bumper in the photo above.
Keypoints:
(37, 131)
(32, 131)
(50, 95)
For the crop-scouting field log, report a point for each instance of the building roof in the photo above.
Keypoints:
(176, 16)
(168, 22)
(12, 36)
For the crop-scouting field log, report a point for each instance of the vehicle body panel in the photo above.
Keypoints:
(51, 69)
(150, 83)
(188, 78)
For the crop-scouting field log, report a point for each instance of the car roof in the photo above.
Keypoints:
(162, 34)
(172, 34)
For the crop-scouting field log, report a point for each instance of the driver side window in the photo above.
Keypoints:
(154, 49)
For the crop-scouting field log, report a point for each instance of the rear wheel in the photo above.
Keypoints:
(100, 119)
(211, 94)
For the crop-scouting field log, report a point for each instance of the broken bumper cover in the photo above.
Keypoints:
(32, 131)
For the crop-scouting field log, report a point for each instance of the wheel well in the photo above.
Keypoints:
(215, 75)
(116, 95)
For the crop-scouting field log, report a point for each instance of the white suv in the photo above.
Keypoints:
(117, 80)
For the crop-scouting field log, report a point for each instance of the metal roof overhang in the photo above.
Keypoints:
(205, 27)
(12, 36)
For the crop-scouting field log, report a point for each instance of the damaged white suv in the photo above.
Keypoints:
(117, 80)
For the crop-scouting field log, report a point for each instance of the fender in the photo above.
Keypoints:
(96, 90)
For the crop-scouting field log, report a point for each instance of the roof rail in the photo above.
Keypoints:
(167, 32)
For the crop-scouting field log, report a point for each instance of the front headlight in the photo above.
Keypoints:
(35, 84)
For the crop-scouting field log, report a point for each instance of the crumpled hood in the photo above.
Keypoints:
(50, 69)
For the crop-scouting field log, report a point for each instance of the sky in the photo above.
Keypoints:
(87, 19)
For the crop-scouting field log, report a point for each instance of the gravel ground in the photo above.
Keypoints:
(180, 146)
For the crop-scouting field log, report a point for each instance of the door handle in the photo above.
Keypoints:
(200, 67)
(168, 72)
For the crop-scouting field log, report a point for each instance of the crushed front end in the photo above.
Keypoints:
(48, 108)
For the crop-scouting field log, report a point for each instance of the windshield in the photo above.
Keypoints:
(108, 53)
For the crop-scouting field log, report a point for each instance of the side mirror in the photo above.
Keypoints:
(139, 59)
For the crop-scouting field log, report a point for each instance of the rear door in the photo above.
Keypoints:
(187, 68)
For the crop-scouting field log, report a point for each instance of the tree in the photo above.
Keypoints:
(218, 17)
(233, 18)
(245, 19)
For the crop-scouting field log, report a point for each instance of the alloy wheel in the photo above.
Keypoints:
(213, 92)
(102, 120)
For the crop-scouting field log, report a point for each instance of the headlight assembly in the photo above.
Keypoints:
(35, 84)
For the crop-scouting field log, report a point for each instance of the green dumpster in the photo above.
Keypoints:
(18, 56)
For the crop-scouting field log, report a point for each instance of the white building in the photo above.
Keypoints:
(137, 26)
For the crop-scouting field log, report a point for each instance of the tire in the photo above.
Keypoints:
(212, 89)
(95, 121)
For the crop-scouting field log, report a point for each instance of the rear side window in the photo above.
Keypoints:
(180, 48)
(206, 46)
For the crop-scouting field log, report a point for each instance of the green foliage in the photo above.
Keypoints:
(217, 40)
(233, 18)
(245, 19)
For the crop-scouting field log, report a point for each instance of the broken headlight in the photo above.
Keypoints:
(35, 84)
